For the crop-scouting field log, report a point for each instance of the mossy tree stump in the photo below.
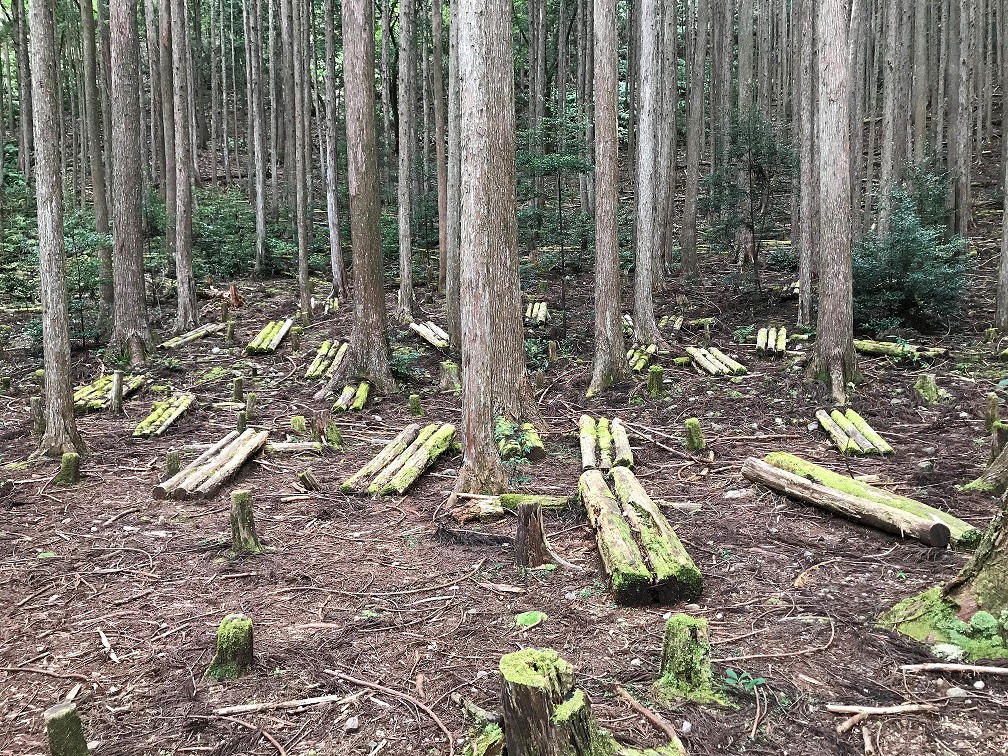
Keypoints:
(251, 406)
(116, 395)
(530, 546)
(685, 662)
(544, 714)
(449, 379)
(694, 436)
(928, 391)
(415, 408)
(173, 462)
(64, 731)
(993, 411)
(233, 656)
(69, 472)
(238, 390)
(229, 332)
(242, 422)
(244, 539)
(37, 413)
(307, 479)
(295, 341)
(656, 381)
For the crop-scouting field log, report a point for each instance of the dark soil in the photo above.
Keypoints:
(392, 592)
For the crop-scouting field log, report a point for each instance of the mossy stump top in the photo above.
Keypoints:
(233, 657)
(64, 730)
(685, 663)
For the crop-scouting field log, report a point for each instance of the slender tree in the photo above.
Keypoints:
(494, 379)
(60, 434)
(452, 269)
(807, 185)
(610, 356)
(440, 118)
(258, 118)
(694, 142)
(407, 145)
(186, 314)
(339, 280)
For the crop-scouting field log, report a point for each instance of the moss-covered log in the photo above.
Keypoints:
(179, 485)
(864, 445)
(360, 396)
(898, 350)
(415, 407)
(960, 533)
(345, 399)
(781, 346)
(173, 462)
(244, 539)
(622, 453)
(163, 414)
(605, 443)
(928, 390)
(323, 358)
(274, 448)
(386, 473)
(358, 481)
(872, 513)
(231, 463)
(337, 360)
(694, 435)
(703, 359)
(674, 575)
(868, 432)
(761, 340)
(429, 333)
(233, 656)
(685, 661)
(69, 472)
(438, 443)
(843, 442)
(734, 368)
(629, 576)
(64, 731)
(588, 440)
(196, 333)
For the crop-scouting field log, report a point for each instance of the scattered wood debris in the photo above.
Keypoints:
(98, 395)
(210, 470)
(431, 332)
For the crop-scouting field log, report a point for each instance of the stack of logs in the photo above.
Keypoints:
(851, 434)
(196, 333)
(99, 395)
(403, 459)
(352, 397)
(604, 444)
(639, 356)
(714, 362)
(202, 477)
(269, 337)
(772, 341)
(536, 313)
(164, 414)
(431, 332)
(327, 359)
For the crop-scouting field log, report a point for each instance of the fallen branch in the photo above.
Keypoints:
(300, 703)
(943, 667)
(659, 722)
(905, 708)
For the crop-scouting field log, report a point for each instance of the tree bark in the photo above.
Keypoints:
(388, 135)
(258, 133)
(440, 117)
(694, 142)
(130, 326)
(1001, 312)
(368, 355)
(26, 143)
(453, 269)
(494, 379)
(186, 316)
(60, 435)
(407, 145)
(610, 353)
(806, 185)
(338, 267)
(301, 168)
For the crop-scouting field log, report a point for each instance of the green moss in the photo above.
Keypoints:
(233, 657)
(299, 424)
(570, 706)
(486, 742)
(694, 435)
(541, 668)
(685, 665)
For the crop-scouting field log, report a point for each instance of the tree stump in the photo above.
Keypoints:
(999, 437)
(173, 462)
(225, 310)
(37, 413)
(5, 384)
(530, 546)
(685, 662)
(928, 391)
(694, 436)
(415, 408)
(307, 479)
(116, 394)
(244, 539)
(238, 390)
(656, 381)
(69, 471)
(229, 332)
(295, 341)
(449, 381)
(250, 406)
(552, 352)
(993, 411)
(242, 421)
(299, 424)
(233, 657)
(544, 714)
(64, 731)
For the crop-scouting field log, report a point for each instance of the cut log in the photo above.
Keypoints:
(868, 432)
(238, 390)
(163, 415)
(624, 564)
(360, 396)
(588, 439)
(337, 360)
(69, 472)
(234, 653)
(420, 460)
(530, 547)
(278, 336)
(703, 359)
(993, 412)
(427, 332)
(308, 480)
(195, 468)
(345, 398)
(735, 368)
(356, 482)
(961, 533)
(415, 407)
(674, 574)
(192, 335)
(323, 358)
(173, 462)
(843, 442)
(605, 443)
(898, 350)
(385, 474)
(848, 427)
(64, 731)
(872, 513)
(273, 448)
(781, 346)
(116, 393)
(230, 464)
(244, 539)
(622, 453)
(762, 336)
(449, 380)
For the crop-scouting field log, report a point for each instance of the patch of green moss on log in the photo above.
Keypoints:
(537, 668)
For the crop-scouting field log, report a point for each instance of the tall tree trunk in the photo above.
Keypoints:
(368, 354)
(130, 327)
(168, 117)
(388, 139)
(494, 379)
(694, 142)
(215, 96)
(26, 146)
(834, 348)
(453, 269)
(610, 357)
(407, 145)
(157, 118)
(889, 115)
(808, 189)
(60, 434)
(437, 22)
(258, 133)
(1001, 312)
(186, 315)
(920, 79)
(274, 75)
(337, 265)
(301, 138)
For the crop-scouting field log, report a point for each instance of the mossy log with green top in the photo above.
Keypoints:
(843, 442)
(196, 333)
(685, 662)
(98, 395)
(323, 358)
(233, 656)
(694, 436)
(438, 443)
(898, 350)
(487, 508)
(674, 575)
(734, 368)
(761, 340)
(605, 443)
(622, 453)
(163, 414)
(704, 360)
(588, 441)
(244, 539)
(64, 731)
(518, 441)
(337, 360)
(992, 413)
(357, 482)
(270, 337)
(868, 432)
(345, 398)
(415, 407)
(864, 445)
(960, 533)
(858, 508)
(656, 381)
(995, 478)
(360, 396)
(629, 576)
(638, 357)
(385, 474)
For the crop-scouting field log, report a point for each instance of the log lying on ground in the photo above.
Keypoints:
(586, 432)
(886, 518)
(960, 533)
(674, 575)
(771, 341)
(605, 443)
(712, 364)
(851, 433)
(271, 448)
(324, 358)
(431, 333)
(357, 482)
(438, 443)
(622, 453)
(352, 397)
(196, 333)
(898, 350)
(735, 368)
(536, 313)
(384, 475)
(865, 446)
(269, 337)
(638, 357)
(868, 432)
(98, 395)
(209, 471)
(843, 442)
(163, 415)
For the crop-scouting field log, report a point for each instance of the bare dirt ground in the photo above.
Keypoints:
(391, 592)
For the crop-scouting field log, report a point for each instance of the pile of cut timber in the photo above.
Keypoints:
(851, 434)
(213, 468)
(604, 444)
(196, 333)
(518, 440)
(790, 291)
(97, 395)
(432, 333)
(641, 553)
(715, 362)
(627, 325)
(638, 357)
(164, 414)
(486, 508)
(898, 350)
(269, 338)
(771, 341)
(852, 498)
(536, 313)
(327, 359)
(352, 397)
(404, 459)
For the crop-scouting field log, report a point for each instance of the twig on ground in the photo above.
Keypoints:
(659, 722)
(905, 708)
(943, 667)
(296, 704)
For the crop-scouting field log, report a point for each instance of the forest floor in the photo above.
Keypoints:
(390, 591)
